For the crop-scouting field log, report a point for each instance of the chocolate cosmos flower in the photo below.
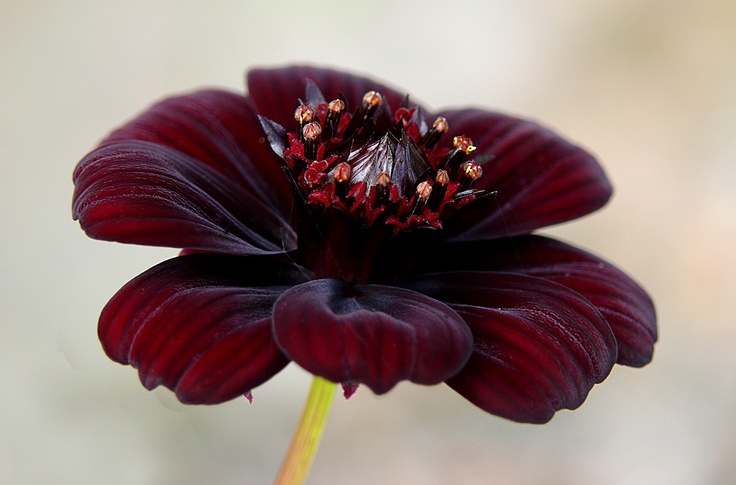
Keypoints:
(330, 220)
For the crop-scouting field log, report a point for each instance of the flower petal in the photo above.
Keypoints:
(539, 178)
(276, 92)
(370, 334)
(627, 308)
(144, 193)
(219, 129)
(199, 325)
(538, 346)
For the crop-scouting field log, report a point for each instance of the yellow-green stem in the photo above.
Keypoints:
(298, 460)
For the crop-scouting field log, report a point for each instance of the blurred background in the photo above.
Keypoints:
(647, 85)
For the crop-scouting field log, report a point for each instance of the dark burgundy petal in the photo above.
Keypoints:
(276, 92)
(370, 334)
(219, 129)
(144, 193)
(199, 325)
(628, 309)
(539, 178)
(537, 346)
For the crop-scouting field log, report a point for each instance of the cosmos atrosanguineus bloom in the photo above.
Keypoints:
(330, 220)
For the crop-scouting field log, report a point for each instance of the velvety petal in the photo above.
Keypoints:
(539, 179)
(370, 334)
(199, 325)
(628, 309)
(276, 92)
(144, 193)
(537, 346)
(219, 129)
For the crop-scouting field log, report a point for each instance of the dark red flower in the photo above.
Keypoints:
(330, 220)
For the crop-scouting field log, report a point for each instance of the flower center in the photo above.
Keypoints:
(377, 166)
(380, 173)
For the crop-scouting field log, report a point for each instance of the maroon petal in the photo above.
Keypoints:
(537, 346)
(370, 334)
(628, 309)
(143, 193)
(539, 178)
(276, 92)
(199, 325)
(219, 129)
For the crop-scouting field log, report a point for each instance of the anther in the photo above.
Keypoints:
(432, 136)
(342, 172)
(371, 101)
(424, 190)
(383, 181)
(311, 134)
(471, 172)
(303, 114)
(332, 121)
(463, 143)
(439, 189)
(341, 176)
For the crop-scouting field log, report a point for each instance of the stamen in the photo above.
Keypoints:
(442, 177)
(336, 106)
(341, 175)
(342, 172)
(463, 145)
(424, 190)
(439, 189)
(362, 117)
(383, 180)
(471, 172)
(311, 134)
(332, 121)
(303, 114)
(432, 136)
(371, 101)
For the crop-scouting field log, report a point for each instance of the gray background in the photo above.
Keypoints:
(647, 85)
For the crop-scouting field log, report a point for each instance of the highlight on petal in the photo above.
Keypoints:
(627, 308)
(537, 346)
(274, 91)
(144, 193)
(219, 129)
(539, 179)
(370, 334)
(199, 325)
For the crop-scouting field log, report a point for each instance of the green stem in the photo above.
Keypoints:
(298, 460)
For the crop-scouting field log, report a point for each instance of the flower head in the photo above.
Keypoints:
(330, 220)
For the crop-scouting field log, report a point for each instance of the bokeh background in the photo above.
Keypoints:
(647, 85)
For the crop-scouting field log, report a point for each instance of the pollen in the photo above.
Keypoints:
(463, 143)
(472, 170)
(303, 114)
